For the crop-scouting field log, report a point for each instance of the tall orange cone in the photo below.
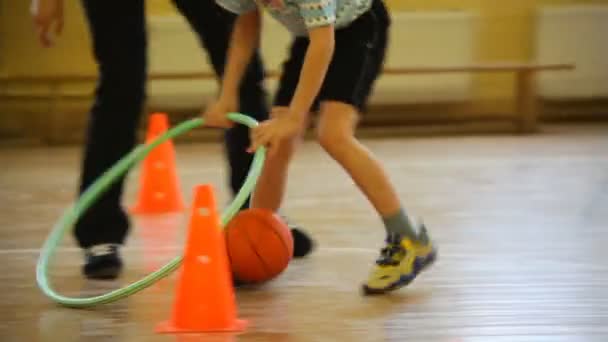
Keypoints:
(159, 190)
(205, 299)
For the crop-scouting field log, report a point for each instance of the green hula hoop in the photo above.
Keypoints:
(72, 214)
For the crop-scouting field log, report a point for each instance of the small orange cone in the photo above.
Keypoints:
(205, 300)
(159, 190)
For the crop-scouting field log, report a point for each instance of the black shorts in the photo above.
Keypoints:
(357, 61)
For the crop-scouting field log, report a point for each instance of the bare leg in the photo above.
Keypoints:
(336, 134)
(271, 185)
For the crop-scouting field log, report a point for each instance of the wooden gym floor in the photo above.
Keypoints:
(521, 223)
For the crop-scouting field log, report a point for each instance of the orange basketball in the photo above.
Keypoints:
(259, 245)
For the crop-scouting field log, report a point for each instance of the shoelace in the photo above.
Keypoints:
(103, 249)
(387, 253)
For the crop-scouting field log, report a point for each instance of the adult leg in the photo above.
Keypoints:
(119, 43)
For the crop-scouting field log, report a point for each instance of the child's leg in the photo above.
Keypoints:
(270, 187)
(271, 184)
(336, 134)
(408, 251)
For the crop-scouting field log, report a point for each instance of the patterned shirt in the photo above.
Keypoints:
(298, 16)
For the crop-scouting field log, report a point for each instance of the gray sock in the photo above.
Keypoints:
(400, 224)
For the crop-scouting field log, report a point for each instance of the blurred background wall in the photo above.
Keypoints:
(425, 32)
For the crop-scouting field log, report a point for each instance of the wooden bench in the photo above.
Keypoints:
(526, 113)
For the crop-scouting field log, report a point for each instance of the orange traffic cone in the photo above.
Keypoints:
(159, 187)
(205, 300)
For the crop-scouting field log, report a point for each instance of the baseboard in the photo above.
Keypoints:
(68, 125)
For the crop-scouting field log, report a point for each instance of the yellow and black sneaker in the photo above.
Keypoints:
(399, 263)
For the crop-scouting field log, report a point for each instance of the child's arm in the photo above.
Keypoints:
(48, 18)
(316, 62)
(243, 43)
(319, 16)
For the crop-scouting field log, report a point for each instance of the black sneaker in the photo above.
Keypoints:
(303, 244)
(102, 262)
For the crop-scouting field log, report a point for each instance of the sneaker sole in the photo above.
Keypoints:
(420, 264)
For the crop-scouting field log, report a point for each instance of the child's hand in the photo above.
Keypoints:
(275, 131)
(48, 17)
(216, 114)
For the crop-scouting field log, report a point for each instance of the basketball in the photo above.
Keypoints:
(259, 245)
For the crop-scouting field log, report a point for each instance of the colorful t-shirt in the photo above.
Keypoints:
(298, 16)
